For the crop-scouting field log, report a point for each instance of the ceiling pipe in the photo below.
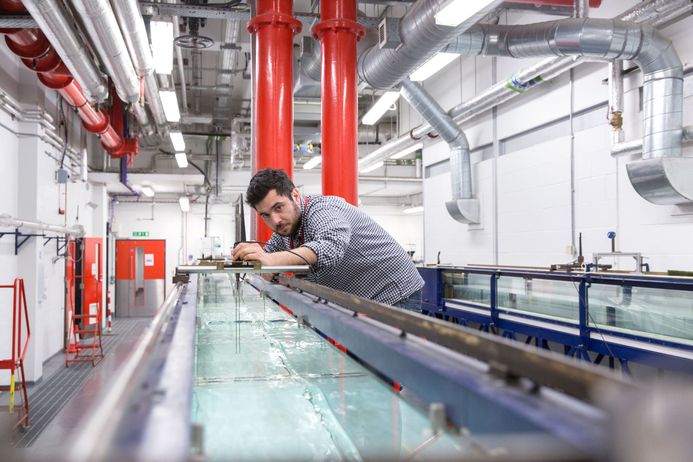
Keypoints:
(273, 29)
(657, 12)
(181, 70)
(463, 207)
(661, 177)
(592, 3)
(338, 33)
(421, 38)
(227, 61)
(133, 31)
(35, 51)
(54, 22)
(102, 28)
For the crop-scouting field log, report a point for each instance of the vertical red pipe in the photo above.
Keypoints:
(338, 33)
(273, 27)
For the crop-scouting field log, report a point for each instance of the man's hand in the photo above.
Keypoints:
(250, 252)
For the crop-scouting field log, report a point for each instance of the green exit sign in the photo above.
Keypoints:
(140, 234)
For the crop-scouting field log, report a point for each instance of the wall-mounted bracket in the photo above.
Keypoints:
(19, 238)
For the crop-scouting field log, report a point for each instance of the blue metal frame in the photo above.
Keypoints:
(578, 345)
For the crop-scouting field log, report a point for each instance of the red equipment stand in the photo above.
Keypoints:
(78, 344)
(83, 330)
(16, 362)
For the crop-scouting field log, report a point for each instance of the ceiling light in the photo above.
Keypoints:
(380, 107)
(177, 141)
(170, 103)
(372, 167)
(404, 152)
(182, 159)
(411, 210)
(147, 191)
(162, 46)
(184, 204)
(457, 11)
(433, 65)
(313, 162)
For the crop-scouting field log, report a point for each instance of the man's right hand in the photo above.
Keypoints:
(244, 249)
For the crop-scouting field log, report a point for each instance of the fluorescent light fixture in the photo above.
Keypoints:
(411, 210)
(372, 167)
(184, 203)
(404, 152)
(433, 65)
(162, 46)
(177, 141)
(147, 191)
(182, 159)
(380, 107)
(170, 103)
(455, 12)
(313, 162)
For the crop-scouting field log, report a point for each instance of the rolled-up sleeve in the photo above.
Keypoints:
(328, 234)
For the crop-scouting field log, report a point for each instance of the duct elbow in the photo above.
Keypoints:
(465, 210)
(663, 181)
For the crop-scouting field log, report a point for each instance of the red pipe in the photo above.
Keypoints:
(592, 3)
(338, 33)
(36, 52)
(273, 28)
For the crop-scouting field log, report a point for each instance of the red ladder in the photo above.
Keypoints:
(16, 363)
(78, 348)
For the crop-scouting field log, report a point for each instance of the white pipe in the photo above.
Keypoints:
(7, 220)
(102, 27)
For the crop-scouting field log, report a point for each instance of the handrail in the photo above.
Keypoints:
(99, 429)
(640, 280)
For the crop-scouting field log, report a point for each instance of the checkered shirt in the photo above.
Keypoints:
(355, 254)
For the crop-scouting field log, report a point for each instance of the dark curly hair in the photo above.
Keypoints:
(266, 180)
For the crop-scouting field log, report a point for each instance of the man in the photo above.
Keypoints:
(346, 248)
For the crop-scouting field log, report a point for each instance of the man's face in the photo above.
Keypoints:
(279, 212)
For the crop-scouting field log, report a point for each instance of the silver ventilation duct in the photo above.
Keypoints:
(104, 32)
(462, 207)
(420, 37)
(657, 178)
(134, 34)
(55, 23)
(654, 11)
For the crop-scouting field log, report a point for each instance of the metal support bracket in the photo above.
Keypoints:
(19, 238)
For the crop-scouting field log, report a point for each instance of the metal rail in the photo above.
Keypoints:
(503, 356)
(99, 430)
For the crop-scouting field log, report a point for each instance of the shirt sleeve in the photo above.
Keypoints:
(275, 244)
(328, 234)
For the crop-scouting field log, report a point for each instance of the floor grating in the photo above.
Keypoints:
(50, 395)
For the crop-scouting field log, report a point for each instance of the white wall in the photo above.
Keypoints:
(407, 230)
(166, 221)
(525, 194)
(30, 192)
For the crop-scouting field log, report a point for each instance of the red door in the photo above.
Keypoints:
(140, 277)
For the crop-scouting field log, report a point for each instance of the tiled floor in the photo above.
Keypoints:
(59, 401)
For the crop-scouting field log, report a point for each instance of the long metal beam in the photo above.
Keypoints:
(508, 358)
(472, 395)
